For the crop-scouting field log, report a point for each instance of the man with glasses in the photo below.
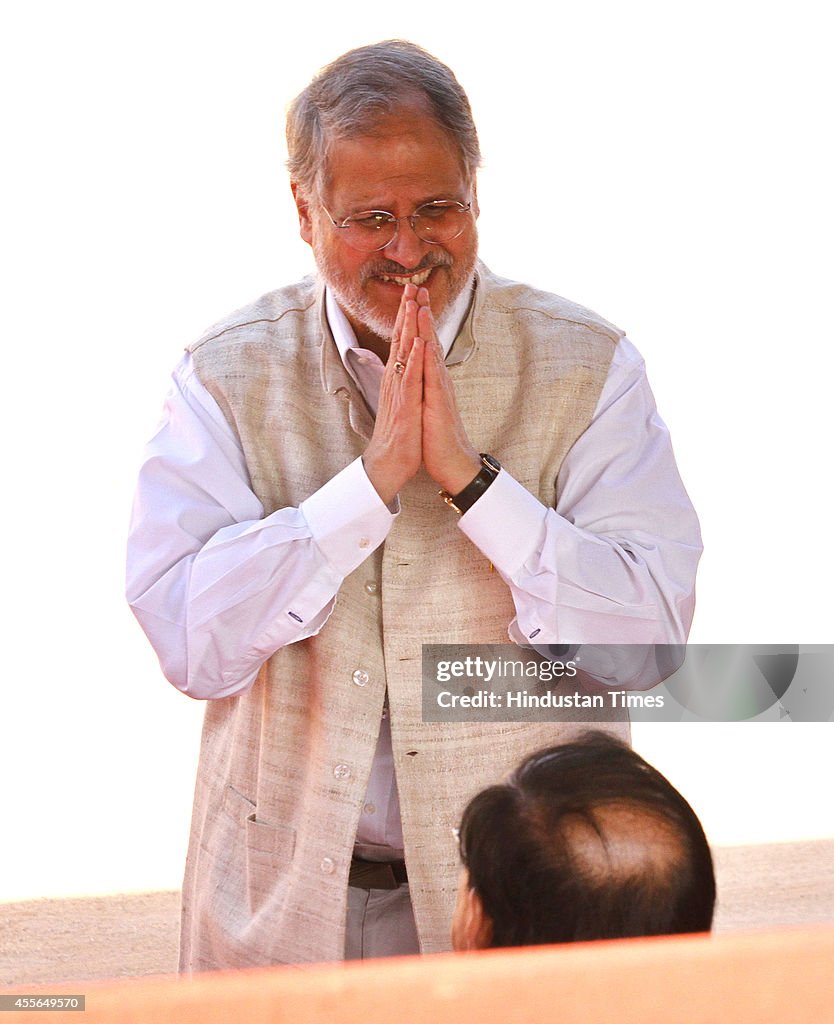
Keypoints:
(406, 450)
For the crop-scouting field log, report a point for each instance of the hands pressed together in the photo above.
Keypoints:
(418, 420)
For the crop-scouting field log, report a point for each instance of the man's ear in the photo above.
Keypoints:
(475, 208)
(305, 219)
(471, 927)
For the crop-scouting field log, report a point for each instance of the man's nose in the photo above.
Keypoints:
(405, 248)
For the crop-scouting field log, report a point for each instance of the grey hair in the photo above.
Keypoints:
(350, 96)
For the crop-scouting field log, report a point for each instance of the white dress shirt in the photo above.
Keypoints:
(219, 587)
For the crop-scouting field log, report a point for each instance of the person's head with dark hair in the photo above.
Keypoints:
(584, 841)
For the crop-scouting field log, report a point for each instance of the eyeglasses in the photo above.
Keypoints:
(437, 222)
(461, 852)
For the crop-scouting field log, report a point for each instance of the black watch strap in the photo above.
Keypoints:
(462, 502)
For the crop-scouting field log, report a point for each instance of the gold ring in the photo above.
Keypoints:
(399, 368)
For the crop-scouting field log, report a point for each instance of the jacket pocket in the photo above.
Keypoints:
(269, 849)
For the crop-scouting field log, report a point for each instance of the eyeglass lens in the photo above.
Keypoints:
(431, 223)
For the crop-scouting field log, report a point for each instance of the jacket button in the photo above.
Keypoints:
(371, 587)
(341, 771)
(361, 677)
(327, 866)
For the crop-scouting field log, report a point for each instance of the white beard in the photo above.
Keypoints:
(353, 301)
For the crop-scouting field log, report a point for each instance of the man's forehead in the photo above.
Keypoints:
(407, 155)
(390, 199)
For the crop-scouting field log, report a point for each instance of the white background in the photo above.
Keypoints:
(664, 164)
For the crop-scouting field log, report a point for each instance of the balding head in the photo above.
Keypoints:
(584, 841)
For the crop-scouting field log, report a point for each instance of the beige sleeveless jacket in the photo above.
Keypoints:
(284, 767)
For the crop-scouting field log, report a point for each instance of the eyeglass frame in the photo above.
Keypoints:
(410, 217)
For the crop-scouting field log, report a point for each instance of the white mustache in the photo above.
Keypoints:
(389, 268)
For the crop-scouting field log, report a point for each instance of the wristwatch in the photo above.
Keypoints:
(462, 502)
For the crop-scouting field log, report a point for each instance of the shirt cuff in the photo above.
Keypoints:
(506, 524)
(347, 518)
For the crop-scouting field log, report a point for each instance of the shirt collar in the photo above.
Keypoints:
(345, 338)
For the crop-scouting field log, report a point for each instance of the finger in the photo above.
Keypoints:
(434, 365)
(409, 330)
(439, 398)
(425, 323)
(393, 351)
(412, 379)
(409, 294)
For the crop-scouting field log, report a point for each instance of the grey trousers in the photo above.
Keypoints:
(380, 922)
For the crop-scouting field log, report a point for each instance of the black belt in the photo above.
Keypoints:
(371, 874)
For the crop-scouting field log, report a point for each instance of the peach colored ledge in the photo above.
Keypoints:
(774, 976)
